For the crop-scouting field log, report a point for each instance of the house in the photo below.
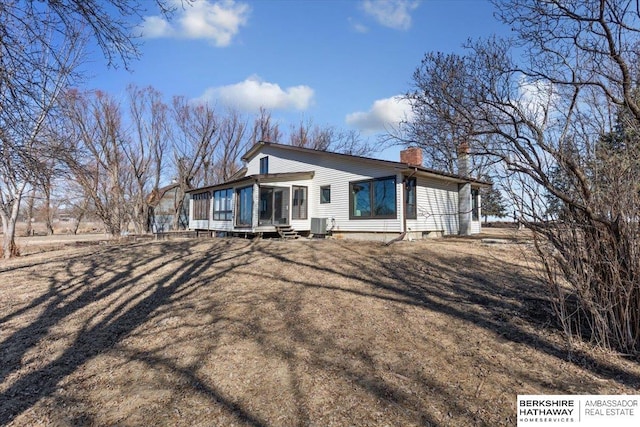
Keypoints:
(162, 209)
(285, 187)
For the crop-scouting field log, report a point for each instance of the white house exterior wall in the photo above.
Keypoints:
(436, 205)
(336, 172)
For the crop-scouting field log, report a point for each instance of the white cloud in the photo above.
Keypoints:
(537, 100)
(357, 26)
(384, 113)
(394, 14)
(253, 93)
(217, 22)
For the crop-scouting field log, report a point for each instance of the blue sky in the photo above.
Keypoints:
(337, 63)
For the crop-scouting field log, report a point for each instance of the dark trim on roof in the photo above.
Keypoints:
(450, 176)
(403, 166)
(266, 178)
(239, 174)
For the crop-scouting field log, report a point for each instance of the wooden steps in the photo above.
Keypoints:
(287, 232)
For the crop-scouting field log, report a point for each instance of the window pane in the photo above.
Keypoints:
(384, 192)
(475, 207)
(228, 198)
(325, 194)
(411, 211)
(222, 204)
(264, 165)
(299, 210)
(245, 206)
(361, 196)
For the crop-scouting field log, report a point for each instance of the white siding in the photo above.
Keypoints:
(437, 200)
(437, 206)
(337, 172)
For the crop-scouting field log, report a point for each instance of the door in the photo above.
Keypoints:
(274, 206)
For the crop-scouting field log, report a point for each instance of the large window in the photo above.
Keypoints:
(299, 208)
(325, 194)
(410, 198)
(244, 197)
(222, 204)
(264, 165)
(374, 198)
(475, 206)
(201, 205)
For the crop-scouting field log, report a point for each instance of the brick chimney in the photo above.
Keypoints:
(411, 156)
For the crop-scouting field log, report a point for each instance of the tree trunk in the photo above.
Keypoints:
(9, 247)
(32, 197)
(47, 207)
(178, 203)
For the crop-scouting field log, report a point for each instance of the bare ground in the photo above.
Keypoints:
(271, 333)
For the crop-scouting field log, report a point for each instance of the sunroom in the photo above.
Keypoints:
(253, 204)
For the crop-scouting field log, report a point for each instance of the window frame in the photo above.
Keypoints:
(411, 213)
(475, 205)
(295, 210)
(201, 205)
(324, 188)
(249, 208)
(372, 198)
(225, 214)
(264, 165)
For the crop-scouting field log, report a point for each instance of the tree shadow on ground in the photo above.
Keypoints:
(454, 284)
(274, 297)
(89, 280)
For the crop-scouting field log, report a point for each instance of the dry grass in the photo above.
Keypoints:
(271, 333)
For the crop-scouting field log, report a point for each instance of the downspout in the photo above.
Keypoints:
(210, 213)
(404, 209)
(404, 198)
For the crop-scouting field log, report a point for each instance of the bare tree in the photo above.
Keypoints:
(545, 107)
(109, 21)
(97, 156)
(232, 141)
(327, 138)
(31, 201)
(264, 129)
(36, 63)
(440, 81)
(40, 44)
(144, 154)
(194, 142)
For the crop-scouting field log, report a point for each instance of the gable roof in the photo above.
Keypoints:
(253, 151)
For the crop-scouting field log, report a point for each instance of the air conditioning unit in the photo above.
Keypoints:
(318, 226)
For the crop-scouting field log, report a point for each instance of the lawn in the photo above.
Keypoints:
(273, 333)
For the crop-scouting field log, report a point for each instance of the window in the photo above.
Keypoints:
(264, 165)
(299, 209)
(374, 198)
(222, 204)
(410, 198)
(475, 206)
(325, 194)
(201, 205)
(244, 202)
